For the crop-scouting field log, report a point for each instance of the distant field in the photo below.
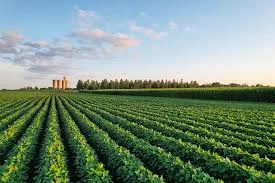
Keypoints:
(84, 137)
(254, 94)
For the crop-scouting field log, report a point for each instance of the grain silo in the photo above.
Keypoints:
(60, 84)
(54, 84)
(65, 83)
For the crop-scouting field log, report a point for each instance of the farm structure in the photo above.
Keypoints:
(60, 84)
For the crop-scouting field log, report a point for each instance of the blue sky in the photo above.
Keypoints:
(207, 41)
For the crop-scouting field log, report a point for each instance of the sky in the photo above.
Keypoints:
(207, 41)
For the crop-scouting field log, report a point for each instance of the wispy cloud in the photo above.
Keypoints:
(8, 41)
(95, 36)
(149, 32)
(42, 58)
(43, 54)
(85, 18)
(172, 25)
(100, 37)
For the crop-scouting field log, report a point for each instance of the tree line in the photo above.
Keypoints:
(142, 84)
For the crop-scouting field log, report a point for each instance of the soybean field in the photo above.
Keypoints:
(84, 137)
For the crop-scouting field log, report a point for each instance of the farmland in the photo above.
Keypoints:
(83, 137)
(252, 94)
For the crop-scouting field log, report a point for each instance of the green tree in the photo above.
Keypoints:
(126, 84)
(174, 84)
(80, 85)
(121, 84)
(162, 84)
(86, 84)
(216, 84)
(104, 84)
(111, 84)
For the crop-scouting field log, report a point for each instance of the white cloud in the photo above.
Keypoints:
(47, 58)
(147, 31)
(172, 25)
(101, 37)
(122, 40)
(8, 41)
(84, 17)
(37, 44)
(43, 58)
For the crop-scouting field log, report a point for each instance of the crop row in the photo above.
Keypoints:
(248, 117)
(84, 158)
(233, 153)
(221, 126)
(160, 162)
(11, 104)
(16, 168)
(214, 114)
(208, 162)
(70, 137)
(123, 166)
(15, 108)
(52, 166)
(249, 112)
(230, 94)
(8, 120)
(205, 124)
(10, 136)
(228, 140)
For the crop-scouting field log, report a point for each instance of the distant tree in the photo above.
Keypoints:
(259, 85)
(158, 83)
(97, 85)
(80, 85)
(121, 84)
(104, 84)
(234, 85)
(162, 84)
(140, 83)
(145, 84)
(137, 84)
(150, 83)
(92, 85)
(131, 84)
(174, 84)
(86, 84)
(116, 83)
(166, 83)
(245, 85)
(111, 84)
(194, 84)
(207, 85)
(154, 84)
(216, 84)
(126, 84)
